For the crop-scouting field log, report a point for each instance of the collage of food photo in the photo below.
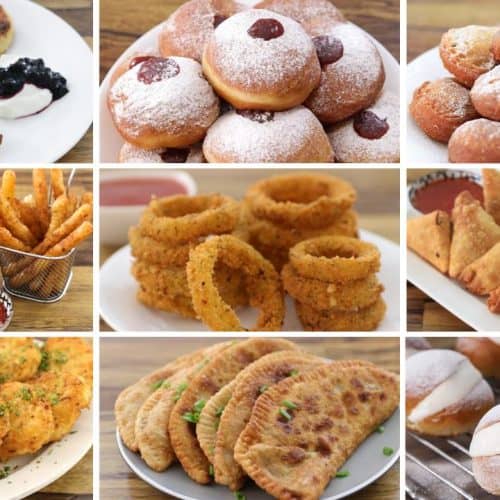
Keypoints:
(249, 249)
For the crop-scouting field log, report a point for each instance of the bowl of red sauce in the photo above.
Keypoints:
(123, 195)
(438, 190)
(6, 310)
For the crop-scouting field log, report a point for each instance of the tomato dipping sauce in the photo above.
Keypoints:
(3, 314)
(137, 191)
(440, 194)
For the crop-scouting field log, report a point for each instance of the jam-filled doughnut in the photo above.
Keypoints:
(186, 32)
(477, 141)
(495, 48)
(352, 73)
(163, 103)
(303, 11)
(370, 136)
(258, 59)
(440, 107)
(131, 61)
(466, 52)
(132, 154)
(485, 94)
(294, 136)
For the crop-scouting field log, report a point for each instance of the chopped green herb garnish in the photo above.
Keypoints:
(54, 399)
(219, 411)
(44, 363)
(179, 390)
(60, 357)
(380, 429)
(263, 388)
(293, 373)
(157, 385)
(285, 414)
(3, 410)
(3, 379)
(211, 470)
(25, 394)
(289, 404)
(199, 405)
(239, 495)
(387, 451)
(4, 472)
(194, 416)
(342, 473)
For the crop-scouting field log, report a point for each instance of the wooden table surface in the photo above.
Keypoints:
(74, 312)
(123, 361)
(377, 203)
(123, 21)
(429, 19)
(77, 13)
(423, 313)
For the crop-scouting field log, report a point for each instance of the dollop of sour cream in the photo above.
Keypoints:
(28, 101)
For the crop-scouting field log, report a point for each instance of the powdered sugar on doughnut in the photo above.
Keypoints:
(171, 104)
(241, 139)
(254, 63)
(487, 86)
(132, 154)
(492, 417)
(302, 10)
(350, 147)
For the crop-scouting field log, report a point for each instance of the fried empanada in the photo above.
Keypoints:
(494, 301)
(19, 359)
(474, 233)
(429, 236)
(250, 384)
(129, 401)
(215, 375)
(483, 275)
(31, 420)
(304, 428)
(491, 190)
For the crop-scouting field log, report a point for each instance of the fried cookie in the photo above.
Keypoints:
(215, 375)
(249, 385)
(304, 428)
(19, 359)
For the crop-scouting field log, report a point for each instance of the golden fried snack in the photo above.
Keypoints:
(330, 295)
(9, 241)
(250, 384)
(19, 359)
(212, 377)
(57, 182)
(130, 400)
(8, 189)
(474, 233)
(4, 421)
(31, 420)
(261, 281)
(304, 428)
(14, 224)
(71, 241)
(179, 304)
(491, 189)
(429, 236)
(483, 275)
(494, 301)
(41, 196)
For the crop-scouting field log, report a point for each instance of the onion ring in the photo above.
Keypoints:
(178, 219)
(349, 296)
(278, 257)
(331, 321)
(261, 281)
(300, 200)
(335, 258)
(179, 305)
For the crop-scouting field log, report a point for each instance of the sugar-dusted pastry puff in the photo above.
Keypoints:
(305, 427)
(429, 236)
(477, 141)
(416, 344)
(485, 452)
(495, 48)
(483, 275)
(445, 394)
(485, 94)
(483, 352)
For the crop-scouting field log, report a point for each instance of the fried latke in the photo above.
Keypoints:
(19, 359)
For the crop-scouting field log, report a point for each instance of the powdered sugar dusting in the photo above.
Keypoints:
(132, 154)
(488, 85)
(241, 139)
(350, 147)
(175, 103)
(492, 417)
(302, 10)
(255, 63)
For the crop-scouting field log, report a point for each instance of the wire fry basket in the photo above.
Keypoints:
(36, 277)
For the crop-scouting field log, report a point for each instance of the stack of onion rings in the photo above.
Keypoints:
(287, 209)
(261, 281)
(333, 282)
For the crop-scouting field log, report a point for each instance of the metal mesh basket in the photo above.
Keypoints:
(35, 277)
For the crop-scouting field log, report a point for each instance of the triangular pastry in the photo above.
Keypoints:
(483, 275)
(491, 189)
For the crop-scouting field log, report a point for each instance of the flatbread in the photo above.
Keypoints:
(215, 375)
(19, 359)
(429, 236)
(250, 384)
(337, 407)
(474, 233)
(491, 190)
(483, 275)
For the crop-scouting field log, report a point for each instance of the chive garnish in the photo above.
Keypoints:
(194, 416)
(289, 404)
(239, 495)
(294, 373)
(380, 429)
(387, 451)
(157, 385)
(342, 473)
(285, 414)
(263, 388)
(211, 470)
(179, 390)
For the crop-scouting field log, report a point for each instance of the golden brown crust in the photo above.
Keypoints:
(483, 275)
(494, 301)
(477, 141)
(337, 407)
(216, 374)
(485, 94)
(483, 353)
(6, 30)
(19, 359)
(495, 48)
(491, 191)
(440, 107)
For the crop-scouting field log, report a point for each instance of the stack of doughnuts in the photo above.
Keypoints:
(346, 295)
(281, 82)
(463, 111)
(283, 210)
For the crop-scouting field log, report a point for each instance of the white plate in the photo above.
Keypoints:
(419, 147)
(122, 312)
(34, 472)
(46, 137)
(111, 141)
(365, 466)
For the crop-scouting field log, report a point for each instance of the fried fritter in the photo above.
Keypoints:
(31, 420)
(215, 375)
(249, 385)
(4, 420)
(19, 359)
(305, 427)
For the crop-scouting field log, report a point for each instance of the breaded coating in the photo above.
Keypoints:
(19, 359)
(483, 275)
(491, 189)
